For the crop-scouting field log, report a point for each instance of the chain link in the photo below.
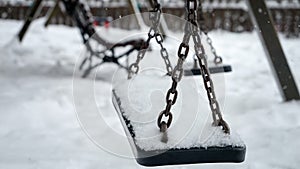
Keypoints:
(192, 29)
(154, 16)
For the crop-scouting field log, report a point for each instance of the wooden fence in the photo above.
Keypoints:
(230, 18)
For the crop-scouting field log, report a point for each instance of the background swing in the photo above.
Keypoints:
(232, 151)
(218, 66)
(98, 49)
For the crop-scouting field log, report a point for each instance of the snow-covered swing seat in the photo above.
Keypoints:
(191, 138)
(183, 134)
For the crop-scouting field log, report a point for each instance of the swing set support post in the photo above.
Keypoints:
(263, 22)
(32, 14)
(52, 13)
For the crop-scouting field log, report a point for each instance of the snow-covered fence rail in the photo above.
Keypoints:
(231, 15)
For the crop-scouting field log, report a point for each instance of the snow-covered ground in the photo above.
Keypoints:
(39, 127)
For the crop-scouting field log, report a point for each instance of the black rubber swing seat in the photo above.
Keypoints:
(174, 156)
(212, 70)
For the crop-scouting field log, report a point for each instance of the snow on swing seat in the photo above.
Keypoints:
(191, 136)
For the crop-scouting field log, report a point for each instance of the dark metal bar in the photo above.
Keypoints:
(212, 70)
(132, 11)
(52, 13)
(29, 19)
(261, 17)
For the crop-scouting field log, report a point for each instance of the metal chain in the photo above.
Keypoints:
(154, 16)
(172, 93)
(164, 53)
(208, 83)
(217, 59)
(134, 67)
(191, 29)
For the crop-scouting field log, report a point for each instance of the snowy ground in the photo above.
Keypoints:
(39, 127)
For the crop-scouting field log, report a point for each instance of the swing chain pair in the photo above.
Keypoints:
(192, 29)
(177, 74)
(172, 93)
(154, 16)
(217, 59)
